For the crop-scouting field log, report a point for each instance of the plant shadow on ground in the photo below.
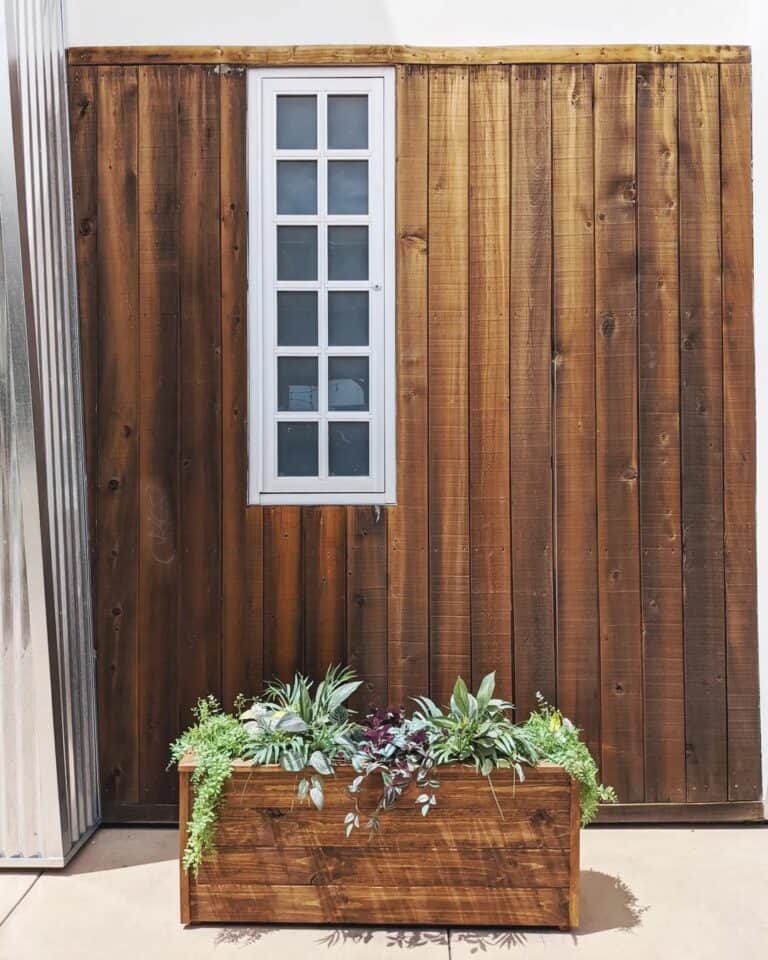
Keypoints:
(403, 938)
(607, 903)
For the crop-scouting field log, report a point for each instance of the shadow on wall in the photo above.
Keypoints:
(607, 903)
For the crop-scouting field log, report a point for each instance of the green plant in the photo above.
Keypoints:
(300, 731)
(559, 741)
(216, 739)
(477, 730)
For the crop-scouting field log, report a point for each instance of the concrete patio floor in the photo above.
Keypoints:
(683, 893)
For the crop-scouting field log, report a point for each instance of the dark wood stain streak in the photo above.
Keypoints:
(701, 410)
(530, 400)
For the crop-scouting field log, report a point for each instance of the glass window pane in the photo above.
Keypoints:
(348, 122)
(297, 253)
(296, 186)
(297, 450)
(297, 123)
(348, 445)
(347, 253)
(297, 383)
(347, 186)
(348, 383)
(296, 318)
(348, 318)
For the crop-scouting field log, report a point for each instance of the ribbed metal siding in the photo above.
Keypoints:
(48, 762)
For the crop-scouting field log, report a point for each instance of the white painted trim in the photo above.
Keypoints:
(264, 486)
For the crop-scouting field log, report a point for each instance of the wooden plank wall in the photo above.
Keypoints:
(575, 428)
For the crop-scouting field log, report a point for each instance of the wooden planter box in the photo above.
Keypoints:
(462, 865)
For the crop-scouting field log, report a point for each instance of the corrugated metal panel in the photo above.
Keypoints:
(48, 762)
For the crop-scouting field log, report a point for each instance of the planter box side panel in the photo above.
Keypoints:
(464, 864)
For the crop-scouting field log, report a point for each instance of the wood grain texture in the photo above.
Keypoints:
(578, 648)
(621, 666)
(158, 236)
(117, 430)
(739, 434)
(293, 862)
(83, 138)
(410, 605)
(659, 426)
(200, 486)
(408, 558)
(366, 649)
(449, 561)
(530, 402)
(701, 403)
(489, 448)
(292, 56)
(324, 551)
(283, 593)
(241, 528)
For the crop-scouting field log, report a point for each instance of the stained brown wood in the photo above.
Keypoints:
(739, 435)
(200, 487)
(117, 429)
(367, 603)
(291, 56)
(701, 407)
(283, 591)
(621, 668)
(324, 530)
(241, 529)
(159, 462)
(293, 861)
(83, 136)
(578, 669)
(659, 813)
(489, 450)
(659, 425)
(408, 558)
(449, 561)
(530, 402)
(399, 593)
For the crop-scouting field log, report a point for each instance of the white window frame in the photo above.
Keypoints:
(264, 486)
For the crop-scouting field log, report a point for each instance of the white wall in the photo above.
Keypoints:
(475, 22)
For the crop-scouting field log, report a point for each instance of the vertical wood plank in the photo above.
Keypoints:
(199, 666)
(324, 532)
(81, 85)
(283, 593)
(530, 407)
(621, 660)
(659, 415)
(489, 451)
(449, 575)
(744, 775)
(407, 523)
(702, 432)
(578, 680)
(116, 610)
(367, 603)
(158, 231)
(241, 527)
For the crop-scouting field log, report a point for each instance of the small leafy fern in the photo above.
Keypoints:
(559, 741)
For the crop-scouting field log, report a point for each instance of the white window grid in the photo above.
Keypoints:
(264, 87)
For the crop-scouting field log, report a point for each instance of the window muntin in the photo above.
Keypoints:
(321, 316)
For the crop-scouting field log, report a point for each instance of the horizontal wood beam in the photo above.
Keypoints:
(370, 55)
(744, 811)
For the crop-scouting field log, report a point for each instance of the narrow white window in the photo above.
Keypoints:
(321, 287)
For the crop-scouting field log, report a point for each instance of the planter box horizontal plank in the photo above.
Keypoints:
(468, 863)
